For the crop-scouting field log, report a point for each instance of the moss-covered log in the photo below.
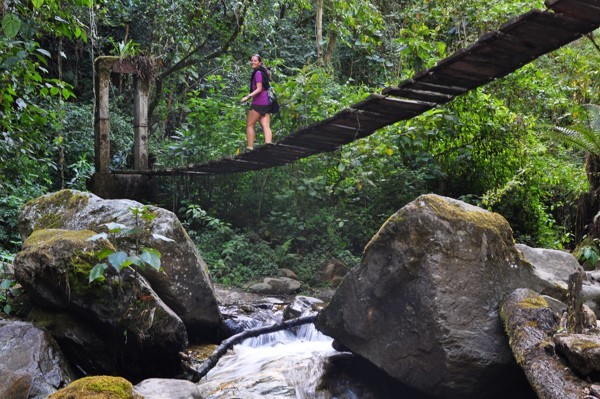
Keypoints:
(530, 324)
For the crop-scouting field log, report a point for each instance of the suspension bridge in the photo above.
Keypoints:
(494, 55)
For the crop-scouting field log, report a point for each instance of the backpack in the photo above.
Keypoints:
(273, 103)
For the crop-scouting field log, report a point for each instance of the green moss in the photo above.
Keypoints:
(80, 262)
(533, 302)
(583, 344)
(453, 212)
(68, 201)
(99, 387)
(79, 271)
(50, 237)
(49, 221)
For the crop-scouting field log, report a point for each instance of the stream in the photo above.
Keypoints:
(299, 363)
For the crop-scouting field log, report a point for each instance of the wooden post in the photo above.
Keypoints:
(140, 123)
(575, 303)
(101, 116)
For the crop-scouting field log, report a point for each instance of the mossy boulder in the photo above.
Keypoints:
(423, 305)
(185, 285)
(138, 330)
(98, 387)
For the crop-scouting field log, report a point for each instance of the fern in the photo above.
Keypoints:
(585, 138)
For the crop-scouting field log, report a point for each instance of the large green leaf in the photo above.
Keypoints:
(151, 256)
(97, 272)
(117, 259)
(11, 24)
(115, 227)
(97, 237)
(6, 284)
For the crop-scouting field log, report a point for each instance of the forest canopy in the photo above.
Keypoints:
(498, 147)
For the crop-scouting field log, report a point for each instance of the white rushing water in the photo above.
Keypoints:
(276, 365)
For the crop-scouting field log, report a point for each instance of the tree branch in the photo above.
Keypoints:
(591, 37)
(211, 361)
(188, 60)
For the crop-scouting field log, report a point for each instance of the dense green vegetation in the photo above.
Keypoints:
(495, 147)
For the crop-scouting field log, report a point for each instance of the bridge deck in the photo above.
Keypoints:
(494, 55)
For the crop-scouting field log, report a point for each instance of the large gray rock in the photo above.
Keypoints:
(137, 328)
(423, 304)
(551, 270)
(31, 364)
(185, 286)
(581, 350)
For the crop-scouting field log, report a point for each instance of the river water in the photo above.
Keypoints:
(299, 364)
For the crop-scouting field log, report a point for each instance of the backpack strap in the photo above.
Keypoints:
(265, 76)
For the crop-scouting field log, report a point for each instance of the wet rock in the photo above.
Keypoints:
(31, 364)
(334, 272)
(301, 305)
(158, 388)
(185, 286)
(276, 286)
(423, 304)
(530, 324)
(82, 344)
(582, 351)
(137, 328)
(287, 273)
(104, 387)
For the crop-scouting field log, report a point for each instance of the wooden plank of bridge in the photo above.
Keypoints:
(585, 10)
(494, 55)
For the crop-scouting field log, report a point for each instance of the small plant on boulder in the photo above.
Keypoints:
(121, 235)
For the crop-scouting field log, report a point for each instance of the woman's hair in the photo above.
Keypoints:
(265, 68)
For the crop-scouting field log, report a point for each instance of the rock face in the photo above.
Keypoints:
(31, 364)
(137, 328)
(552, 269)
(423, 304)
(185, 286)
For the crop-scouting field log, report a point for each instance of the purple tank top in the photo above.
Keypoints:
(262, 98)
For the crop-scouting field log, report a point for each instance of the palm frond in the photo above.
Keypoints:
(583, 139)
(586, 137)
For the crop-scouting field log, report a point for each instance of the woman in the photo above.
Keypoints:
(259, 110)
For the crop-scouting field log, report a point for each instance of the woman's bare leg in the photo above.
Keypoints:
(265, 122)
(251, 120)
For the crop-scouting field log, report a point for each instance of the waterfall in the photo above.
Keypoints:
(299, 363)
(283, 364)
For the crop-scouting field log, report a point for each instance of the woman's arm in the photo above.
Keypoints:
(255, 92)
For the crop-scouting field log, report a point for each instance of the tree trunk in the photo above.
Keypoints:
(319, 29)
(588, 206)
(330, 47)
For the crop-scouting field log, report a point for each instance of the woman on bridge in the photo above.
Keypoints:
(259, 110)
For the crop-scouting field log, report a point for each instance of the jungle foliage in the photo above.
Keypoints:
(492, 147)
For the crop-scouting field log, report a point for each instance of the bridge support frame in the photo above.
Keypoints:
(104, 183)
